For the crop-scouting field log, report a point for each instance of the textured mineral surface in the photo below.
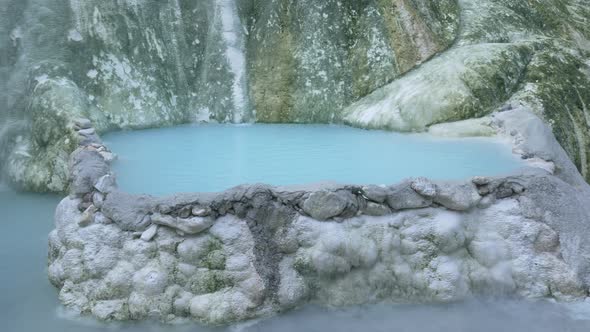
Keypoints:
(253, 251)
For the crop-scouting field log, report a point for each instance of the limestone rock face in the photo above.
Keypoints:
(136, 64)
(508, 54)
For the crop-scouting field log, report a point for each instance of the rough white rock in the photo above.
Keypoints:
(149, 233)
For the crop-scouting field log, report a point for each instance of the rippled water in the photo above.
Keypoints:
(204, 158)
(28, 303)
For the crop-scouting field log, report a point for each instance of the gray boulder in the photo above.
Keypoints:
(191, 226)
(403, 197)
(375, 193)
(323, 205)
(130, 212)
(458, 197)
(82, 123)
(87, 167)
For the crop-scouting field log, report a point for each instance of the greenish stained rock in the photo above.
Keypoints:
(208, 281)
(41, 161)
(507, 53)
(368, 63)
(310, 59)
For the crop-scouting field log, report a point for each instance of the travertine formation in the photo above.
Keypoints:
(257, 250)
(70, 70)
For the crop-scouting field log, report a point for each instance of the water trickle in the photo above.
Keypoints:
(233, 37)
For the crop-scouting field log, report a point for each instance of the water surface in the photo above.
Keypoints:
(208, 158)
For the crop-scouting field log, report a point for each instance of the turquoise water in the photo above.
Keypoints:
(208, 158)
(28, 303)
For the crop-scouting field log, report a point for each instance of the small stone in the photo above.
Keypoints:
(484, 190)
(87, 132)
(86, 167)
(504, 191)
(403, 197)
(323, 205)
(82, 123)
(88, 216)
(457, 197)
(85, 140)
(149, 233)
(424, 187)
(375, 193)
(164, 209)
(84, 205)
(106, 184)
(200, 212)
(481, 180)
(98, 199)
(517, 188)
(191, 226)
(130, 212)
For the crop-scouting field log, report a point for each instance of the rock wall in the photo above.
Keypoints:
(253, 251)
(370, 63)
(507, 54)
(135, 64)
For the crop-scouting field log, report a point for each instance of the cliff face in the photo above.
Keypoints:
(147, 63)
(508, 53)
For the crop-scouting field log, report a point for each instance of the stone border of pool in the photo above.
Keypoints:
(256, 250)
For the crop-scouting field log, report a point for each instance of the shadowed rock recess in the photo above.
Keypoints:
(71, 70)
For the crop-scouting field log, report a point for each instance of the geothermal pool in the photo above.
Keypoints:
(29, 302)
(209, 158)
